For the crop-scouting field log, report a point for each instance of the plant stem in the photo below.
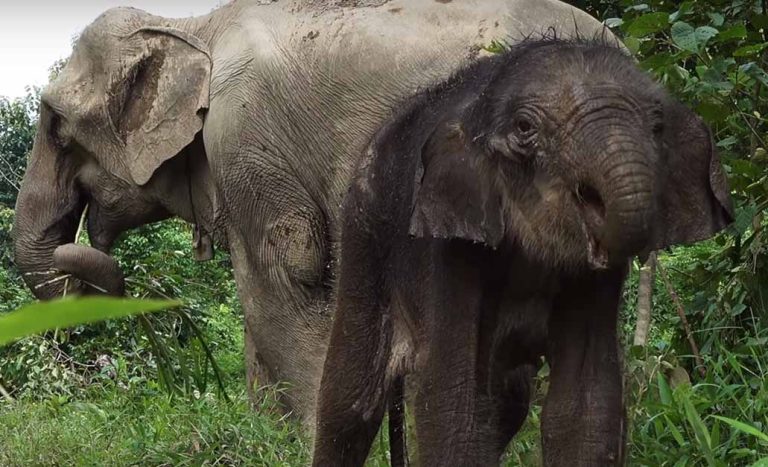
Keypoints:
(77, 240)
(5, 393)
(683, 320)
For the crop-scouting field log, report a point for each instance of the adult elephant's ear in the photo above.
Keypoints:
(157, 104)
(452, 198)
(694, 200)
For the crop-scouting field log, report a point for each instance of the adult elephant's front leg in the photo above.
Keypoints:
(583, 418)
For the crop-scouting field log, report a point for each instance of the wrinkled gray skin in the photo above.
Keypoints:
(514, 196)
(248, 122)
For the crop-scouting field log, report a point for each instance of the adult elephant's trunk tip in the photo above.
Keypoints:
(95, 269)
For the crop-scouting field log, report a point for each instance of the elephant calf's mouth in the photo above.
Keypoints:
(592, 220)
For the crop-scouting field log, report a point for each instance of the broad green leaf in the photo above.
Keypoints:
(647, 24)
(690, 39)
(44, 316)
(743, 427)
(761, 463)
(704, 34)
(684, 36)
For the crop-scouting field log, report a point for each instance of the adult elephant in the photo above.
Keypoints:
(246, 122)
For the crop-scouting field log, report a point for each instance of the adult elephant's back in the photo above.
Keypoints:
(312, 83)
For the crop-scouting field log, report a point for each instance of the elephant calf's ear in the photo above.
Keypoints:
(694, 201)
(451, 197)
(158, 106)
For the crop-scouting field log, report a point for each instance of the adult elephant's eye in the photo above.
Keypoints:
(55, 132)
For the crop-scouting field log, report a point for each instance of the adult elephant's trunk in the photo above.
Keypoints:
(48, 210)
(619, 185)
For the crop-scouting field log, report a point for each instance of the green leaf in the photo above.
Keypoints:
(684, 36)
(745, 428)
(633, 44)
(637, 7)
(675, 432)
(658, 61)
(755, 72)
(748, 50)
(665, 394)
(700, 430)
(738, 309)
(736, 32)
(717, 19)
(712, 112)
(704, 34)
(690, 39)
(761, 463)
(684, 9)
(648, 24)
(44, 316)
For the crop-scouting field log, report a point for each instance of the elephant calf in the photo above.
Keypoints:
(490, 223)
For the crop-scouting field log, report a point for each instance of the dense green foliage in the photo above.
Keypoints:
(143, 391)
(17, 132)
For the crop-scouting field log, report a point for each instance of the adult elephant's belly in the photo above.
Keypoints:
(295, 99)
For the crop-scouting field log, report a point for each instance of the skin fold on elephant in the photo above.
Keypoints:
(246, 122)
(490, 223)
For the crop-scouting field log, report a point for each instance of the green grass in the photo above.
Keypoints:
(149, 429)
(132, 428)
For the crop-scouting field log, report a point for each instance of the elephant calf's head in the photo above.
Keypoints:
(568, 150)
(131, 96)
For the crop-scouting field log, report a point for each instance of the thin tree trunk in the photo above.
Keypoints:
(645, 299)
(684, 322)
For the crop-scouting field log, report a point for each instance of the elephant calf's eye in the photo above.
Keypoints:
(525, 131)
(524, 126)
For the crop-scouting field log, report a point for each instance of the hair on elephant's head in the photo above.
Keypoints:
(131, 97)
(568, 150)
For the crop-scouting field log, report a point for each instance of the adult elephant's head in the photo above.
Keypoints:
(131, 97)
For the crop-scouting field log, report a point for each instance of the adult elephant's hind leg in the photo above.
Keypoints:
(583, 418)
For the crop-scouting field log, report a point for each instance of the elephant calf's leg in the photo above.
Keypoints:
(583, 418)
(352, 395)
